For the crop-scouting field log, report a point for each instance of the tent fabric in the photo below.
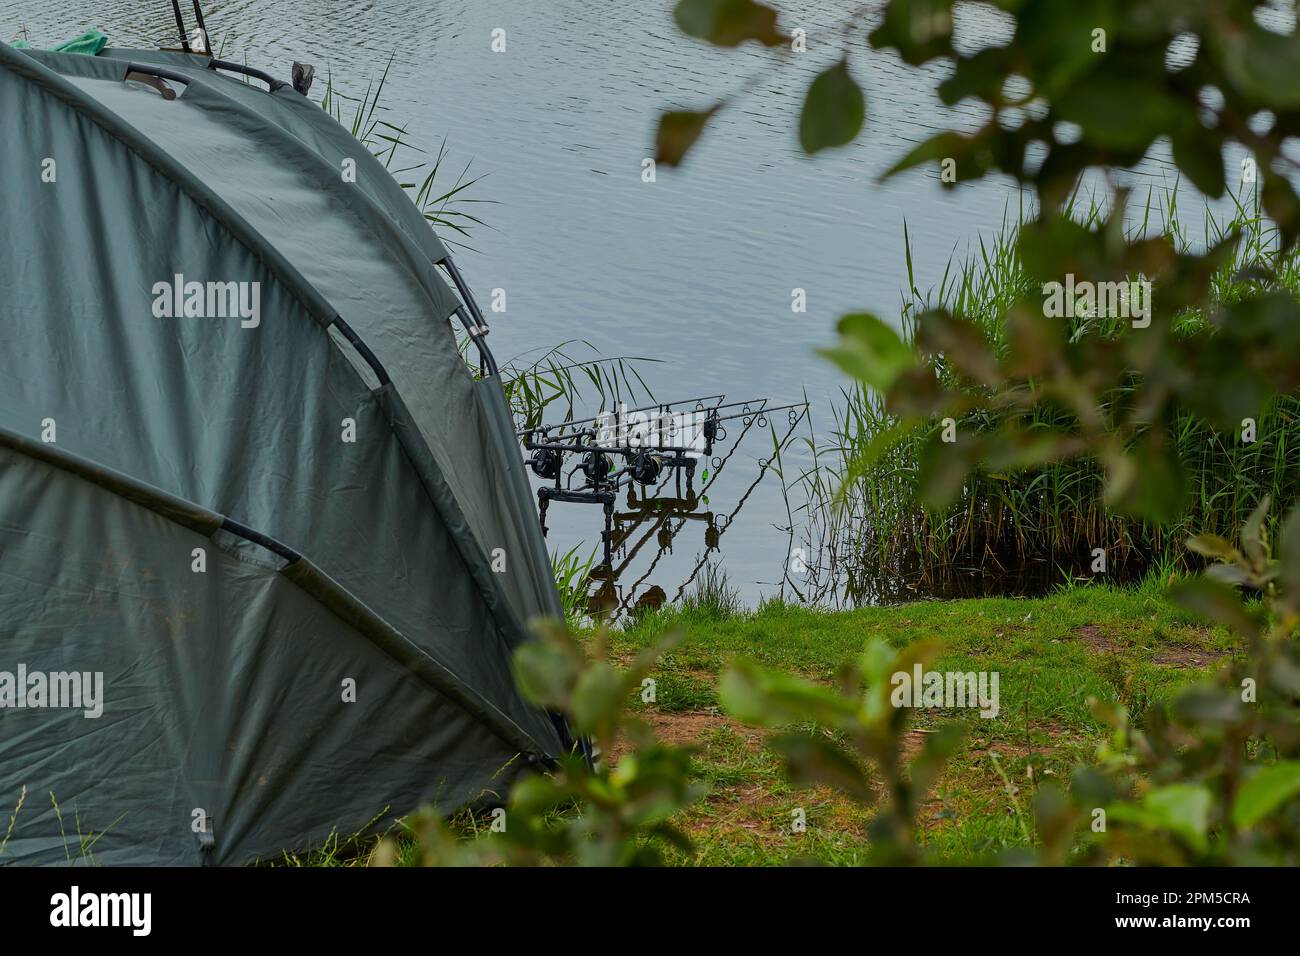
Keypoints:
(387, 470)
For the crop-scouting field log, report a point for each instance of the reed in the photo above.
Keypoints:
(573, 579)
(549, 382)
(422, 174)
(871, 540)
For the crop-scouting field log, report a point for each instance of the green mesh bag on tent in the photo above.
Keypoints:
(89, 43)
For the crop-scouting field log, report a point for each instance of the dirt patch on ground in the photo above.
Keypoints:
(1183, 653)
(1095, 639)
(1056, 736)
(1186, 655)
(688, 728)
(913, 741)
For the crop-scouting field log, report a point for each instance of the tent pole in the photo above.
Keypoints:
(486, 361)
(180, 25)
(479, 327)
(203, 29)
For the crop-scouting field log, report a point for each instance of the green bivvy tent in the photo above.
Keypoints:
(266, 543)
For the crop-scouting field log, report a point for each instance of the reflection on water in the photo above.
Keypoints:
(697, 268)
(850, 582)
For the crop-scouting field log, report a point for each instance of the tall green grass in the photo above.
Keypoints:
(547, 384)
(572, 578)
(871, 539)
(448, 207)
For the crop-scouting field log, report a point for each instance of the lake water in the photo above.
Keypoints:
(695, 269)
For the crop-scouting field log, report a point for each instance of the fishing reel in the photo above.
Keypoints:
(545, 463)
(596, 466)
(645, 468)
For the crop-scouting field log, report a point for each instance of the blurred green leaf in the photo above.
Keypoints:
(812, 759)
(945, 466)
(1281, 204)
(1147, 112)
(971, 156)
(1208, 704)
(1265, 791)
(1200, 156)
(1212, 546)
(1253, 540)
(1149, 482)
(833, 111)
(678, 131)
(1182, 809)
(546, 673)
(598, 698)
(869, 350)
(1090, 788)
(963, 345)
(1289, 557)
(1057, 40)
(728, 22)
(1217, 601)
(938, 749)
(919, 30)
(1262, 65)
(772, 699)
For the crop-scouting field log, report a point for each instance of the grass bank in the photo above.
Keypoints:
(1125, 644)
(1052, 654)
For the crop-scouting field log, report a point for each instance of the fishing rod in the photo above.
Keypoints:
(717, 525)
(699, 404)
(639, 435)
(728, 520)
(685, 511)
(652, 442)
(667, 517)
(196, 41)
(679, 509)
